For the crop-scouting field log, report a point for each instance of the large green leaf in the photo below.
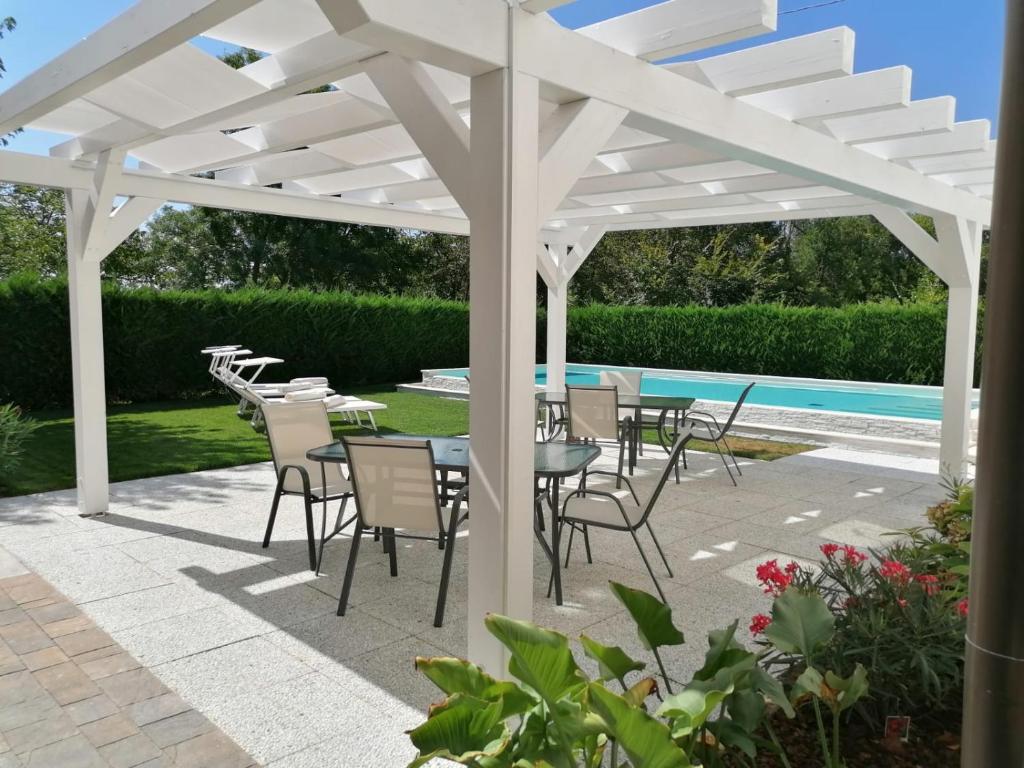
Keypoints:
(613, 662)
(801, 623)
(720, 643)
(771, 688)
(653, 618)
(847, 691)
(540, 658)
(690, 709)
(453, 675)
(464, 729)
(732, 734)
(746, 709)
(808, 684)
(646, 741)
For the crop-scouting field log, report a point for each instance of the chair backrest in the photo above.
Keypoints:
(395, 483)
(736, 408)
(293, 429)
(593, 412)
(627, 382)
(673, 456)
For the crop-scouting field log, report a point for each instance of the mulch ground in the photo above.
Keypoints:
(931, 745)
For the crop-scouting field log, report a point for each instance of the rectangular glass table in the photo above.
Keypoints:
(551, 462)
(664, 404)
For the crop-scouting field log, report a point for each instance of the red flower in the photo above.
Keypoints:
(792, 568)
(961, 607)
(853, 556)
(772, 578)
(902, 603)
(759, 624)
(894, 571)
(829, 550)
(929, 583)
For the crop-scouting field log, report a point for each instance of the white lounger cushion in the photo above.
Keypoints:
(316, 381)
(317, 393)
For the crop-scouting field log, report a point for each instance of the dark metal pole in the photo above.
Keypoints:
(993, 735)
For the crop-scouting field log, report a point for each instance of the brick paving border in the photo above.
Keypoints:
(70, 697)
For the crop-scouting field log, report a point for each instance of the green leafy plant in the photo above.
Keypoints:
(893, 611)
(14, 430)
(554, 715)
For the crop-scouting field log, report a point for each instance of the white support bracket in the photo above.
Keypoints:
(579, 252)
(430, 119)
(547, 264)
(916, 239)
(955, 256)
(98, 212)
(569, 140)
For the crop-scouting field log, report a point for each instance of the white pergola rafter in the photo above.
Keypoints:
(490, 112)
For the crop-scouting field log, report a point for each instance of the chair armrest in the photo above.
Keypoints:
(303, 474)
(694, 422)
(616, 475)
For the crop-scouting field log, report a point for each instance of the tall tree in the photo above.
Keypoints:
(7, 24)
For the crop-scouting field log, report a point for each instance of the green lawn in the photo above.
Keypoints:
(168, 438)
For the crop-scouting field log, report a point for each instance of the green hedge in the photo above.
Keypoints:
(867, 342)
(152, 339)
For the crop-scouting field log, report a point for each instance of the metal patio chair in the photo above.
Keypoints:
(593, 415)
(616, 512)
(716, 433)
(627, 383)
(396, 489)
(292, 430)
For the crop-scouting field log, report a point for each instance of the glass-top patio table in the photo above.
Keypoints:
(664, 404)
(551, 462)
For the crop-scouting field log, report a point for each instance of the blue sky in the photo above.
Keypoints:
(953, 46)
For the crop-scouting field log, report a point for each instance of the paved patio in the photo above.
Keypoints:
(248, 637)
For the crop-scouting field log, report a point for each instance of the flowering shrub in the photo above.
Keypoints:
(893, 614)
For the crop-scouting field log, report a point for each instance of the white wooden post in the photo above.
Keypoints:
(86, 361)
(502, 349)
(557, 325)
(961, 240)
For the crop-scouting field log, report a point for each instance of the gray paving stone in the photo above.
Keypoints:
(156, 708)
(130, 752)
(109, 729)
(177, 728)
(74, 752)
(66, 683)
(90, 710)
(133, 686)
(109, 665)
(40, 733)
(84, 641)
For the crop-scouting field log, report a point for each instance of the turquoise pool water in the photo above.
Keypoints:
(877, 400)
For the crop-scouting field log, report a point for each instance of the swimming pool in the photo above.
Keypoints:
(886, 400)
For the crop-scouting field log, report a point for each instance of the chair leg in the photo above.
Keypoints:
(391, 544)
(568, 548)
(273, 512)
(350, 569)
(586, 544)
(446, 571)
(724, 462)
(557, 554)
(310, 535)
(323, 531)
(648, 564)
(732, 455)
(661, 552)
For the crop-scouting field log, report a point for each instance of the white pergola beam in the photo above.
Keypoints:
(660, 102)
(467, 37)
(676, 27)
(19, 168)
(569, 140)
(547, 263)
(805, 59)
(970, 136)
(140, 34)
(850, 95)
(429, 118)
(919, 118)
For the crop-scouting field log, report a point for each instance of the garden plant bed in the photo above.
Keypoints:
(932, 744)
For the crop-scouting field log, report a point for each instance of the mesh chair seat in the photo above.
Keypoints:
(600, 510)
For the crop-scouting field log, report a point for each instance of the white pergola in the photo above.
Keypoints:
(488, 118)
